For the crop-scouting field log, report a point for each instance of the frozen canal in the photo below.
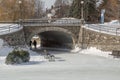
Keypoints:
(68, 66)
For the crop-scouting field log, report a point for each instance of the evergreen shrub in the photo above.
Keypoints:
(17, 57)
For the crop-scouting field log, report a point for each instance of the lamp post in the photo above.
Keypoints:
(82, 14)
(20, 19)
(81, 35)
(82, 22)
(20, 8)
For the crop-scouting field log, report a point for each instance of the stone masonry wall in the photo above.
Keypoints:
(15, 38)
(102, 41)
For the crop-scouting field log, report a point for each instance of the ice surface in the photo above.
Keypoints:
(82, 65)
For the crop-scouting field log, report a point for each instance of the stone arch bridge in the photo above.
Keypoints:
(59, 33)
(64, 33)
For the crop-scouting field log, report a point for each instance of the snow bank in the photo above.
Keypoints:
(92, 51)
(97, 52)
(77, 49)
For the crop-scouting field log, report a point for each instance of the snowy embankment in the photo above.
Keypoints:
(97, 52)
(9, 28)
(93, 51)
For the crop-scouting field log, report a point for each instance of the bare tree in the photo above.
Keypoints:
(39, 8)
(11, 9)
(62, 8)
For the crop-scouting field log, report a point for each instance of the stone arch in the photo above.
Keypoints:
(45, 29)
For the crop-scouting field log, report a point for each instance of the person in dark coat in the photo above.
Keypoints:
(30, 44)
(35, 44)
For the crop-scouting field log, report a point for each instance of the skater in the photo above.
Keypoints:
(47, 55)
(35, 44)
(30, 44)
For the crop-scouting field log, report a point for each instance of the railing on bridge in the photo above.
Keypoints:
(113, 29)
(52, 22)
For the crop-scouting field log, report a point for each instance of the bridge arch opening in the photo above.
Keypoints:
(56, 39)
(53, 39)
(37, 39)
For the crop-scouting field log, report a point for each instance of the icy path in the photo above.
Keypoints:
(68, 66)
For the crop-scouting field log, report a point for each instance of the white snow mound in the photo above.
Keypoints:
(97, 52)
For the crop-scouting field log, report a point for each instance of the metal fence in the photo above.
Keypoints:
(113, 29)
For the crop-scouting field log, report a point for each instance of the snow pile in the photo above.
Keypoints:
(97, 52)
(76, 49)
(99, 2)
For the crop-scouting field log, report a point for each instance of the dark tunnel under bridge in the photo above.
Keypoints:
(56, 39)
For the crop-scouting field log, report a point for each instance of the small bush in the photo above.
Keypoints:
(17, 57)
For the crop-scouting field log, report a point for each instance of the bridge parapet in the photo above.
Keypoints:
(52, 22)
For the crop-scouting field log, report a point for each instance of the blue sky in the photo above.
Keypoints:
(48, 3)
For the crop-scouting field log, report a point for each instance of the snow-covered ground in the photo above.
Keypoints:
(88, 64)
